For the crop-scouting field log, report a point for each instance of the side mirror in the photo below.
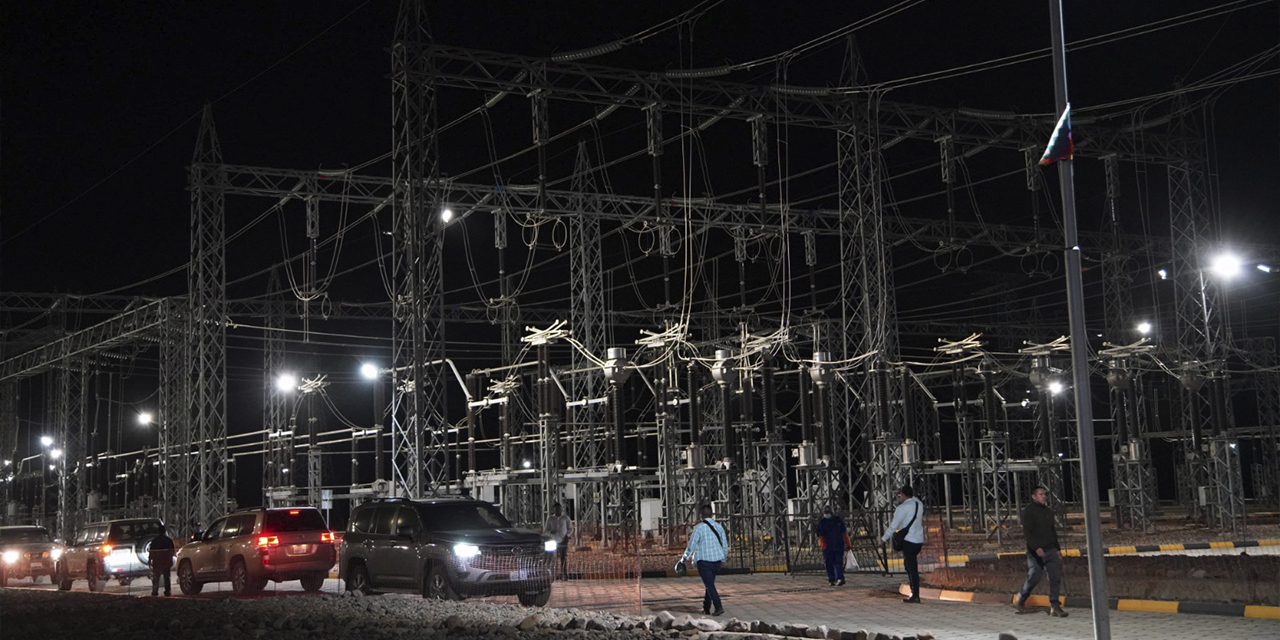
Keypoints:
(405, 532)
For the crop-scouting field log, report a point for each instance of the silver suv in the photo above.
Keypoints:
(251, 547)
(27, 551)
(117, 549)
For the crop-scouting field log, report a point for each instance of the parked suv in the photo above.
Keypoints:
(117, 549)
(447, 548)
(27, 552)
(253, 546)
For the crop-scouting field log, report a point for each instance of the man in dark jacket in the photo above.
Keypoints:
(1042, 551)
(831, 533)
(161, 551)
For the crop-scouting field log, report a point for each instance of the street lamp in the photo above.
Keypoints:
(287, 382)
(1144, 328)
(144, 418)
(46, 440)
(372, 373)
(369, 371)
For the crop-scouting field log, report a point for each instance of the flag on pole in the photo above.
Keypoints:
(1060, 145)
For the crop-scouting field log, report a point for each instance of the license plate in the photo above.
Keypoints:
(519, 575)
(37, 565)
(300, 549)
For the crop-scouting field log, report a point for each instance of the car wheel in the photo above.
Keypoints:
(358, 580)
(187, 580)
(124, 582)
(314, 582)
(241, 583)
(97, 582)
(538, 599)
(64, 582)
(436, 586)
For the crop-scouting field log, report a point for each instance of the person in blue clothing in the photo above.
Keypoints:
(832, 533)
(710, 545)
(909, 516)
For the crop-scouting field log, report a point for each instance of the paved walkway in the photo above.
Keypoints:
(863, 604)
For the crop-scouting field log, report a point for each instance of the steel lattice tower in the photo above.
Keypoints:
(72, 479)
(175, 476)
(866, 294)
(418, 432)
(207, 334)
(588, 317)
(275, 406)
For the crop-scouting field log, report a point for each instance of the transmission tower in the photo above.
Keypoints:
(418, 429)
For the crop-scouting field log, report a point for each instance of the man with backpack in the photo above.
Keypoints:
(709, 544)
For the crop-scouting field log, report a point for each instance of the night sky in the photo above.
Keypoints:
(100, 106)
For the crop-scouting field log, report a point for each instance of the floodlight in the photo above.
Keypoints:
(446, 215)
(1055, 387)
(1163, 273)
(1265, 268)
(46, 440)
(369, 371)
(144, 418)
(55, 454)
(1144, 328)
(287, 382)
(1226, 265)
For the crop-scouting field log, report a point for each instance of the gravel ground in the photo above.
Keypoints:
(33, 613)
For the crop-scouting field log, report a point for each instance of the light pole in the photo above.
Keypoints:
(373, 374)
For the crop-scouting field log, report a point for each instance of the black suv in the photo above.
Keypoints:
(447, 548)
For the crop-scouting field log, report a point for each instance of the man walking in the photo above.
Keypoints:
(709, 544)
(1042, 551)
(832, 533)
(161, 551)
(559, 526)
(906, 530)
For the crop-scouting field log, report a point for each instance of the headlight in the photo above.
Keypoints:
(549, 545)
(56, 553)
(465, 551)
(11, 556)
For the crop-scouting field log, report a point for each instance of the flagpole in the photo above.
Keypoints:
(1079, 352)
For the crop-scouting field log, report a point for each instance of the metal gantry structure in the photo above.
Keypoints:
(765, 412)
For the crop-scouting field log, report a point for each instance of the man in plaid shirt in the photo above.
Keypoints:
(709, 544)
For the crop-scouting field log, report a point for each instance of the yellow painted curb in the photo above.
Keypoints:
(1171, 547)
(1118, 550)
(1042, 601)
(1150, 606)
(1222, 545)
(1264, 612)
(956, 596)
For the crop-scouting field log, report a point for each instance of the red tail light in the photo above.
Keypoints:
(326, 536)
(294, 512)
(268, 541)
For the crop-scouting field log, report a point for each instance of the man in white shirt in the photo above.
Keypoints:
(909, 516)
(559, 527)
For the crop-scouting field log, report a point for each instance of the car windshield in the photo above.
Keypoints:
(470, 515)
(133, 531)
(289, 520)
(21, 536)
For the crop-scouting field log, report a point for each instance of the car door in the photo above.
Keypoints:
(379, 543)
(401, 550)
(204, 556)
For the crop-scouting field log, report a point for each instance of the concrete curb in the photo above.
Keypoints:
(1117, 604)
(896, 563)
